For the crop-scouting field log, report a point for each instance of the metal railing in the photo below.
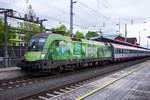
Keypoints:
(15, 54)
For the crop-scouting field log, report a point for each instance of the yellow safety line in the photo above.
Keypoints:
(107, 84)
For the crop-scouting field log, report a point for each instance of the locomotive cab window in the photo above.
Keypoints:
(36, 44)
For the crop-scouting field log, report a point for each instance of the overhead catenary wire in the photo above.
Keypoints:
(62, 20)
(97, 12)
(52, 18)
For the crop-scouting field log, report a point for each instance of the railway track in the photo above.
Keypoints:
(66, 88)
(24, 81)
(23, 87)
(29, 80)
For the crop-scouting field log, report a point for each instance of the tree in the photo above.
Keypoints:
(79, 35)
(91, 34)
(2, 33)
(62, 28)
(28, 26)
(31, 12)
(15, 35)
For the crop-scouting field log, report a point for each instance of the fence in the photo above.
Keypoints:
(15, 53)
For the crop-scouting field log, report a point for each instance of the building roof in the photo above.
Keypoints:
(112, 35)
(132, 39)
(103, 39)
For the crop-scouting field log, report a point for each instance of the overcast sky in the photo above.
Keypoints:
(92, 14)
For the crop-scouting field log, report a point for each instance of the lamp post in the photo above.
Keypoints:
(125, 33)
(118, 26)
(139, 38)
(147, 41)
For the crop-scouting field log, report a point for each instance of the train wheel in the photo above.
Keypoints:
(60, 69)
(72, 68)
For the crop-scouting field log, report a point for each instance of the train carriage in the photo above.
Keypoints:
(121, 52)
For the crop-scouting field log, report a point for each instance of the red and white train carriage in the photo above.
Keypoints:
(121, 51)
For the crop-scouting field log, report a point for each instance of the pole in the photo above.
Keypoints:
(5, 42)
(119, 25)
(139, 38)
(41, 27)
(148, 41)
(125, 33)
(147, 44)
(71, 18)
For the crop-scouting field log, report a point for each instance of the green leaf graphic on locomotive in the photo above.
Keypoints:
(99, 52)
(60, 50)
(77, 50)
(83, 50)
(107, 51)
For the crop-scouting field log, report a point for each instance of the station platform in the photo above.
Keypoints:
(131, 83)
(9, 69)
(10, 73)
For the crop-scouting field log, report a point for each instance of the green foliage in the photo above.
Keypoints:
(31, 11)
(62, 28)
(91, 34)
(2, 33)
(34, 28)
(79, 35)
(15, 35)
(28, 26)
(67, 33)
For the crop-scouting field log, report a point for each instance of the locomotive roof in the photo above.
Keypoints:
(41, 35)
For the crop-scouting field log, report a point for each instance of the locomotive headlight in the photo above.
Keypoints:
(42, 56)
(24, 55)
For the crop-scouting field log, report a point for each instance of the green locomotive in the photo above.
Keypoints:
(48, 51)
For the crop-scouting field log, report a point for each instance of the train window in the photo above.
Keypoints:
(124, 51)
(129, 51)
(116, 50)
(36, 44)
(119, 50)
